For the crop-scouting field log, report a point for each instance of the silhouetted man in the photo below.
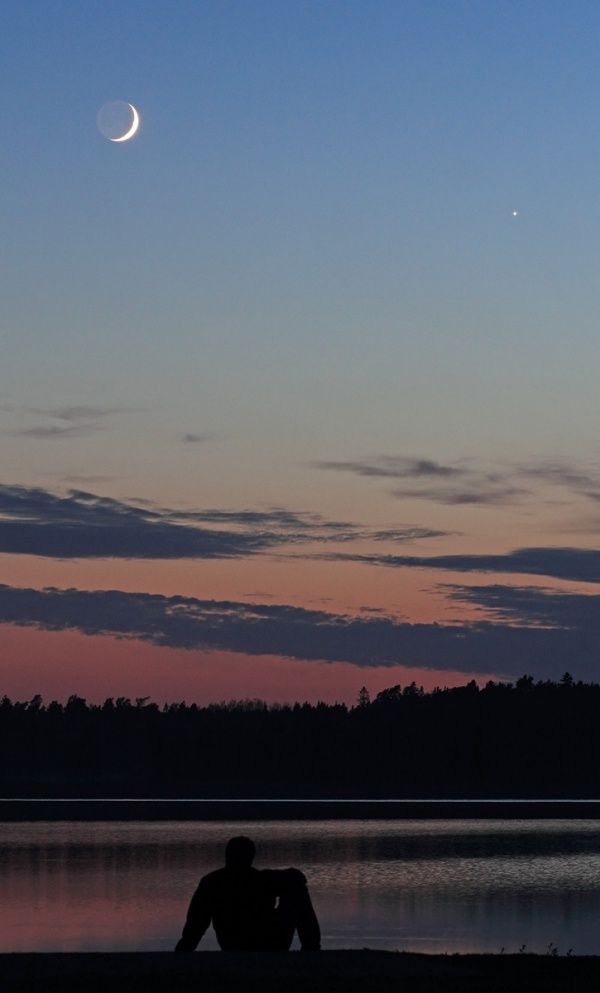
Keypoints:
(250, 909)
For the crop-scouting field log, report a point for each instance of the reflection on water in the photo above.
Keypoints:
(414, 885)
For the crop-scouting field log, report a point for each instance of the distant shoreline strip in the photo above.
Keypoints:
(279, 800)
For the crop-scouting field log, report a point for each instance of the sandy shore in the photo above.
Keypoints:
(324, 972)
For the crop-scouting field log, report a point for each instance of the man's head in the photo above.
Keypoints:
(239, 853)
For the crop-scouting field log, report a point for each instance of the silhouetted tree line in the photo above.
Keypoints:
(527, 739)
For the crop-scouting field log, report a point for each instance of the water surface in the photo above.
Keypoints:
(421, 885)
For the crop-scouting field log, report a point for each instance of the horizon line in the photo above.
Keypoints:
(556, 800)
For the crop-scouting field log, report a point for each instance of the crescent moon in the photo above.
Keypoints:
(135, 123)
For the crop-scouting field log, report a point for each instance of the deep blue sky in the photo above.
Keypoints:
(319, 188)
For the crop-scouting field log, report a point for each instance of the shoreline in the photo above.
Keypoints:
(187, 809)
(326, 972)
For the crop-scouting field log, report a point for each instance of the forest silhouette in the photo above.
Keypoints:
(527, 739)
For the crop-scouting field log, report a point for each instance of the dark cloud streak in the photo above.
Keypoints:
(532, 606)
(82, 525)
(575, 564)
(299, 633)
(35, 521)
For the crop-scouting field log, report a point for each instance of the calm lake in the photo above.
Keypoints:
(420, 885)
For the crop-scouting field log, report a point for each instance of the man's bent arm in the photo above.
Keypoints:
(197, 921)
(292, 882)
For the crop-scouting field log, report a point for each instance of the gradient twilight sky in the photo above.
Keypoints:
(290, 400)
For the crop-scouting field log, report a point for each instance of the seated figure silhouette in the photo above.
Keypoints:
(251, 909)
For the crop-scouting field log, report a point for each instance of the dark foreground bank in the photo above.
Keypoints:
(321, 972)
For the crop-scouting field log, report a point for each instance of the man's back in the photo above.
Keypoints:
(241, 906)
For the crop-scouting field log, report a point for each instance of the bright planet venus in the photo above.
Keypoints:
(118, 121)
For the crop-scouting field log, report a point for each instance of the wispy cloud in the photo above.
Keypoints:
(50, 431)
(191, 438)
(561, 473)
(472, 481)
(310, 526)
(406, 534)
(482, 491)
(70, 421)
(35, 521)
(523, 644)
(392, 467)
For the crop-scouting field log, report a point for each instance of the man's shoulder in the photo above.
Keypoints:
(224, 874)
(283, 877)
(212, 878)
